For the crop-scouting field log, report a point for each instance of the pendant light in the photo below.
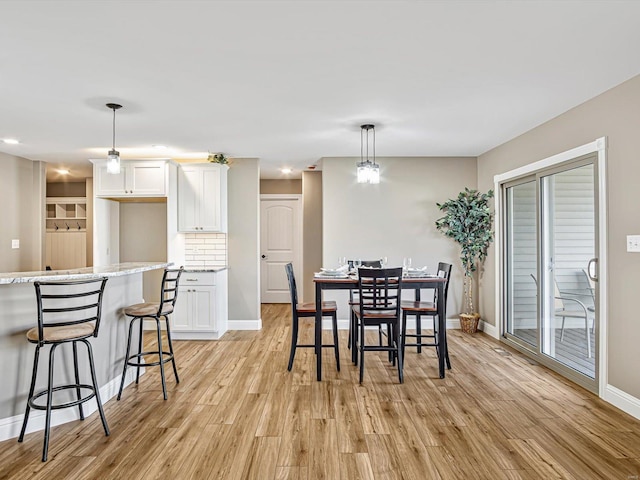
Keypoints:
(368, 171)
(113, 157)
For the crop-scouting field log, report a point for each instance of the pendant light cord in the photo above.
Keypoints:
(114, 130)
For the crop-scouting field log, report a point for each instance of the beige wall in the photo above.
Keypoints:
(281, 186)
(312, 230)
(66, 189)
(616, 115)
(395, 218)
(23, 194)
(243, 241)
(143, 238)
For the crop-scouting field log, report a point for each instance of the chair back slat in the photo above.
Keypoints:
(69, 303)
(169, 289)
(293, 290)
(379, 290)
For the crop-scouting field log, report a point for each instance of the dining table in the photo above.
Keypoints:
(348, 282)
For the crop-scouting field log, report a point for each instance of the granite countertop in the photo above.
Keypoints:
(86, 273)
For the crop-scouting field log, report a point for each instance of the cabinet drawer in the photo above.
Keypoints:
(197, 278)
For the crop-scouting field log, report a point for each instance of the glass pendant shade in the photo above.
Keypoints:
(367, 170)
(113, 162)
(113, 157)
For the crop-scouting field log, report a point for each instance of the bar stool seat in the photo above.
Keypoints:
(308, 307)
(154, 311)
(66, 333)
(68, 312)
(148, 309)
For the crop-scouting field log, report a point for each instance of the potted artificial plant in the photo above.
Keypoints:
(217, 158)
(468, 219)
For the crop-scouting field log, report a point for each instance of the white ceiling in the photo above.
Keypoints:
(290, 82)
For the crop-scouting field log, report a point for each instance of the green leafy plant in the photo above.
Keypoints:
(468, 220)
(217, 158)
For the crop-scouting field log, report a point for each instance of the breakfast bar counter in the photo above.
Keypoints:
(18, 313)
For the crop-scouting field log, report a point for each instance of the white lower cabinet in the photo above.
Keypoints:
(200, 311)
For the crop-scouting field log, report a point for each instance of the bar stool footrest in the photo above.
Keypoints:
(73, 403)
(166, 357)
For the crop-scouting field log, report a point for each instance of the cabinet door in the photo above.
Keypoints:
(108, 184)
(146, 178)
(209, 201)
(203, 303)
(182, 313)
(189, 188)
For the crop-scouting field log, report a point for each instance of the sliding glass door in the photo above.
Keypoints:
(522, 261)
(550, 285)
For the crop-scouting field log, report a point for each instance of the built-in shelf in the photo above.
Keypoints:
(66, 214)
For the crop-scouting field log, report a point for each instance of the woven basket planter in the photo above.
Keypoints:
(469, 323)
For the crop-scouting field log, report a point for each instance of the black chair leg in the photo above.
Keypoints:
(294, 343)
(361, 347)
(173, 358)
(75, 370)
(47, 423)
(126, 359)
(398, 352)
(403, 337)
(419, 332)
(334, 321)
(354, 339)
(164, 383)
(96, 388)
(34, 374)
(141, 320)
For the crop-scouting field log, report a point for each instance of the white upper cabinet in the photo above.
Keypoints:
(202, 198)
(136, 179)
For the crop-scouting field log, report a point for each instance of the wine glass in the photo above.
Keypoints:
(342, 261)
(383, 262)
(406, 263)
(357, 263)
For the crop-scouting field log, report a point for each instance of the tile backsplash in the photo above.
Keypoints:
(205, 249)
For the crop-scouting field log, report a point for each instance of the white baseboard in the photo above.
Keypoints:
(10, 427)
(244, 324)
(195, 335)
(625, 402)
(489, 329)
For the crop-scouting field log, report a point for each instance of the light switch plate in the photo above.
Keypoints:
(633, 243)
(15, 243)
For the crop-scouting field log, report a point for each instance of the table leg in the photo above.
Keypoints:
(442, 329)
(318, 331)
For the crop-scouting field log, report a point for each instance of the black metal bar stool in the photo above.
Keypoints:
(68, 312)
(155, 311)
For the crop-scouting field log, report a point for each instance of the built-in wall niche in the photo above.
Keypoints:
(66, 214)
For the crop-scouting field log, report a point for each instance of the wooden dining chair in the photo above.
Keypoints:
(379, 290)
(421, 309)
(355, 300)
(308, 310)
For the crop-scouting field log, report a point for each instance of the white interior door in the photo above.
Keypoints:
(280, 243)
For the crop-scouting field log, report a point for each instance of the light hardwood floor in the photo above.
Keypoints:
(238, 414)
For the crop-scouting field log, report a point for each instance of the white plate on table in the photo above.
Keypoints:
(332, 271)
(331, 275)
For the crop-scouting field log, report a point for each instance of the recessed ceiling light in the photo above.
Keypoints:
(286, 171)
(63, 171)
(160, 147)
(10, 141)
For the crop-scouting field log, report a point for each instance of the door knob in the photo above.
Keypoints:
(264, 257)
